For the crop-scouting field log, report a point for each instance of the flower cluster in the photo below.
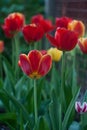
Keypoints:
(37, 63)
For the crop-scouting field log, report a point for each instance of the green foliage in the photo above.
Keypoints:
(74, 126)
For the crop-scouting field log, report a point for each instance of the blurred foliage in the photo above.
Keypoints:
(27, 7)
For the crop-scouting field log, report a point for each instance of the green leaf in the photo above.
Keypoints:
(19, 86)
(40, 86)
(11, 118)
(54, 110)
(1, 83)
(69, 110)
(21, 121)
(74, 126)
(43, 124)
(84, 120)
(9, 71)
(4, 98)
(18, 105)
(29, 100)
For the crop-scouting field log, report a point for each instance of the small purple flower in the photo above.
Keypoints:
(81, 108)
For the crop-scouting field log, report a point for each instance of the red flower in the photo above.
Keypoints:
(45, 23)
(63, 22)
(37, 18)
(32, 32)
(1, 46)
(13, 23)
(64, 39)
(82, 42)
(35, 64)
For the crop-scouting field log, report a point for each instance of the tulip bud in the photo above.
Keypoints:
(81, 108)
(82, 42)
(55, 54)
(1, 46)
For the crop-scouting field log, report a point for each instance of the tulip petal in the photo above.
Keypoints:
(45, 65)
(52, 40)
(68, 39)
(82, 42)
(34, 56)
(25, 64)
(62, 22)
(32, 32)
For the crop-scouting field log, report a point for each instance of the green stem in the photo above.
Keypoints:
(16, 54)
(62, 94)
(53, 75)
(82, 121)
(63, 77)
(35, 101)
(74, 76)
(1, 71)
(13, 54)
(60, 118)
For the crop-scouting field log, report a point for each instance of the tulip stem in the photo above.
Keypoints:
(35, 101)
(82, 121)
(62, 95)
(53, 75)
(1, 71)
(13, 54)
(17, 53)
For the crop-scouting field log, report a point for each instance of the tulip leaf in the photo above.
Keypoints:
(69, 110)
(18, 105)
(74, 126)
(54, 110)
(10, 118)
(43, 124)
(4, 99)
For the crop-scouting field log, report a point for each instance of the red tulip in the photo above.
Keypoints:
(63, 22)
(82, 42)
(13, 24)
(45, 23)
(64, 39)
(32, 32)
(1, 46)
(37, 18)
(35, 64)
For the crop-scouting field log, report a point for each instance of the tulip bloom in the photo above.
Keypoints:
(35, 64)
(82, 42)
(37, 18)
(1, 46)
(64, 39)
(55, 54)
(45, 23)
(81, 108)
(13, 23)
(32, 32)
(63, 22)
(77, 26)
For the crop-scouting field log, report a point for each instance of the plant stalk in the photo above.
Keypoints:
(1, 70)
(35, 102)
(62, 94)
